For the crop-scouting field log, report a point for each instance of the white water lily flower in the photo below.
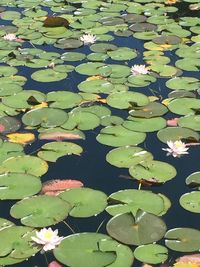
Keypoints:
(139, 69)
(10, 37)
(48, 238)
(88, 38)
(176, 149)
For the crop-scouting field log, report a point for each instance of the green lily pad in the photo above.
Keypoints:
(153, 109)
(185, 106)
(188, 64)
(176, 134)
(4, 223)
(125, 100)
(9, 150)
(143, 27)
(125, 157)
(183, 83)
(17, 243)
(24, 99)
(122, 53)
(24, 164)
(97, 57)
(18, 185)
(7, 71)
(144, 125)
(85, 202)
(84, 247)
(154, 170)
(63, 99)
(10, 15)
(111, 120)
(164, 70)
(192, 122)
(191, 201)
(152, 253)
(119, 71)
(131, 200)
(141, 80)
(83, 120)
(69, 43)
(48, 75)
(96, 86)
(46, 117)
(40, 211)
(119, 136)
(183, 239)
(124, 253)
(91, 68)
(142, 229)
(7, 89)
(102, 47)
(193, 179)
(54, 150)
(73, 56)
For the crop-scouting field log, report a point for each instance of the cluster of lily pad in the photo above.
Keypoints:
(112, 83)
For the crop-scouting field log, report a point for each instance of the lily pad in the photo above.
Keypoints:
(176, 134)
(193, 179)
(183, 239)
(48, 75)
(191, 121)
(144, 125)
(17, 244)
(185, 106)
(157, 171)
(96, 86)
(125, 157)
(122, 53)
(153, 109)
(9, 125)
(40, 211)
(119, 136)
(84, 247)
(24, 164)
(54, 150)
(183, 83)
(152, 253)
(46, 117)
(91, 68)
(131, 200)
(85, 202)
(83, 120)
(63, 99)
(125, 100)
(142, 229)
(191, 201)
(18, 185)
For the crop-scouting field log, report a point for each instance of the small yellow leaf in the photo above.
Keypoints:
(96, 77)
(166, 101)
(166, 46)
(42, 105)
(153, 98)
(21, 138)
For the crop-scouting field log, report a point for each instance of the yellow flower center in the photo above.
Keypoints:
(48, 235)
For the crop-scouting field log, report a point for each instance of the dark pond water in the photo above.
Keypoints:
(91, 167)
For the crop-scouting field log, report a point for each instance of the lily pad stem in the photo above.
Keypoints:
(69, 227)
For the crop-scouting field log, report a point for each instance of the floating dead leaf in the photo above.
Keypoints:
(21, 138)
(153, 98)
(172, 122)
(42, 105)
(51, 21)
(171, 2)
(59, 136)
(97, 77)
(54, 264)
(54, 187)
